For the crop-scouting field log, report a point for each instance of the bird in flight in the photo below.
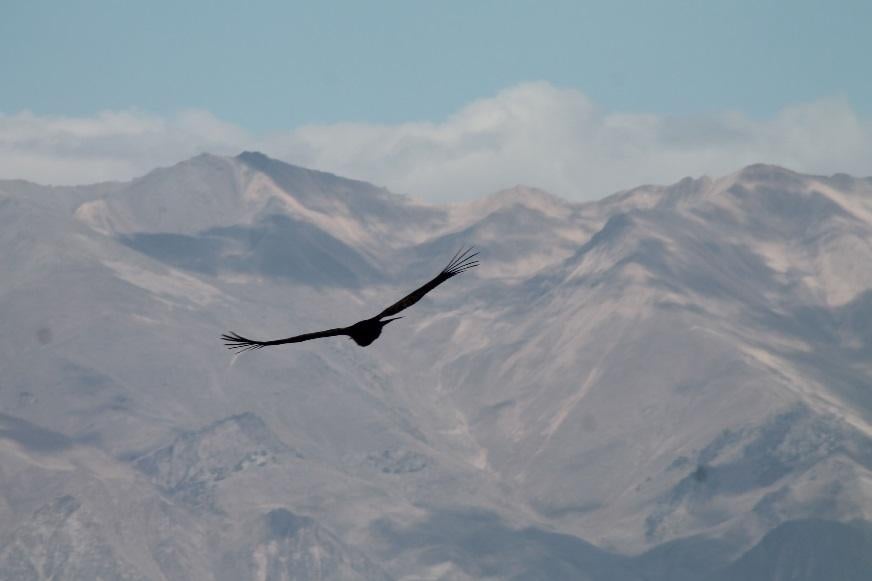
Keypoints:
(365, 332)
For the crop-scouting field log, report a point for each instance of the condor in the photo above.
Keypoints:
(365, 332)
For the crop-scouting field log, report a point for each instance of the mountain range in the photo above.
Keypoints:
(671, 383)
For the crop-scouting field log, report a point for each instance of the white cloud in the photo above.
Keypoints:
(534, 134)
(112, 145)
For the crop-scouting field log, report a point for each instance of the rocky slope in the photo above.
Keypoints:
(670, 383)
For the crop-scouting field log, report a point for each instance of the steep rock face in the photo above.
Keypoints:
(670, 372)
(61, 542)
(190, 467)
(285, 545)
(666, 343)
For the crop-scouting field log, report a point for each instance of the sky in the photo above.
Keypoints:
(440, 99)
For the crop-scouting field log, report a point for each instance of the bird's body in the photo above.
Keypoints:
(365, 332)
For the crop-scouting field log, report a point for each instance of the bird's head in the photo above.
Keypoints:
(386, 321)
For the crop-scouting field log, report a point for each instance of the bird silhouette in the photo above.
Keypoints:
(365, 332)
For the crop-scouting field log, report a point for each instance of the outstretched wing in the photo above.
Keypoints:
(235, 341)
(461, 262)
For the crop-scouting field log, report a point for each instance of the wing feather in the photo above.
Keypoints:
(236, 341)
(461, 262)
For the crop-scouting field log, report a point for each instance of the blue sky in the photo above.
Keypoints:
(277, 65)
(263, 68)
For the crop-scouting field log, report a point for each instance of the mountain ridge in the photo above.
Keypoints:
(668, 372)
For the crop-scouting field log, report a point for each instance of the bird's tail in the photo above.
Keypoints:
(461, 262)
(235, 341)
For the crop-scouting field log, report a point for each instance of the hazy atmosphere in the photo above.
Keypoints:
(443, 291)
(440, 100)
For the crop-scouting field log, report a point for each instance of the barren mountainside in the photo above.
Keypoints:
(672, 383)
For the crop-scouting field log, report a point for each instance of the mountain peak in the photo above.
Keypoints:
(281, 171)
(253, 157)
(520, 195)
(768, 173)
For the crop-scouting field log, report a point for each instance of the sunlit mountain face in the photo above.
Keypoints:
(672, 383)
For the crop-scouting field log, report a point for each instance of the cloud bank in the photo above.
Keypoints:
(535, 134)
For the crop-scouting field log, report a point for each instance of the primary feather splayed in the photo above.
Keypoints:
(367, 331)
